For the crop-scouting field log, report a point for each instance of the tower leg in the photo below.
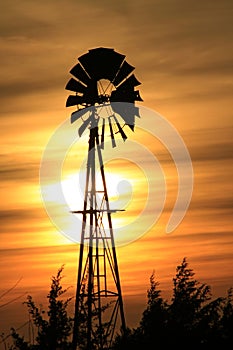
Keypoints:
(98, 307)
(77, 313)
(123, 324)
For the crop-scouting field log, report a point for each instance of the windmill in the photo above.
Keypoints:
(102, 80)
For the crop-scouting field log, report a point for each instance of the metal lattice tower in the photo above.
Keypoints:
(99, 305)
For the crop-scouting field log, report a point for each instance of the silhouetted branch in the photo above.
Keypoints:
(10, 289)
(14, 299)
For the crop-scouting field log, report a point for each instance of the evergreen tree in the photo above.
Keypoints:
(154, 317)
(53, 330)
(190, 321)
(189, 296)
(226, 323)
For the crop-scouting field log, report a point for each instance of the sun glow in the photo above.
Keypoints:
(122, 189)
(127, 189)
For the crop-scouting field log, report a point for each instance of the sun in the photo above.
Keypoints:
(124, 181)
(120, 189)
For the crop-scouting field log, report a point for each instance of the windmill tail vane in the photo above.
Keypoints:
(105, 95)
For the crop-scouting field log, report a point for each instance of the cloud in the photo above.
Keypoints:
(23, 222)
(21, 214)
(16, 168)
(212, 152)
(40, 40)
(49, 250)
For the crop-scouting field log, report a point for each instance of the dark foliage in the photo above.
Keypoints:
(190, 321)
(54, 326)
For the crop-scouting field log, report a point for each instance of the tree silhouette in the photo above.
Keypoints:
(191, 320)
(226, 324)
(54, 326)
(155, 315)
(189, 296)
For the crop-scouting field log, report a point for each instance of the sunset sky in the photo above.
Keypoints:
(183, 54)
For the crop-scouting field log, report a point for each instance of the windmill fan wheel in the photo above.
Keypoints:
(101, 77)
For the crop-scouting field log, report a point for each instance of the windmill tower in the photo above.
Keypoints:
(102, 81)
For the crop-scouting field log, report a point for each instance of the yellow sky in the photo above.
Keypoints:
(182, 51)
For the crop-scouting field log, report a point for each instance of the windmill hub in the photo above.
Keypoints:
(104, 98)
(105, 88)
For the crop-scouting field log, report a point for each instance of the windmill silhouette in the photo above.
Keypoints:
(102, 80)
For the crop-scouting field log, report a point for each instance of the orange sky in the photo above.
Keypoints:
(183, 55)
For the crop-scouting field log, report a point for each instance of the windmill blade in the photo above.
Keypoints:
(137, 96)
(131, 122)
(127, 111)
(129, 116)
(123, 73)
(135, 110)
(90, 97)
(102, 134)
(74, 100)
(125, 95)
(91, 94)
(121, 95)
(125, 92)
(129, 83)
(102, 63)
(78, 114)
(76, 86)
(111, 133)
(120, 130)
(79, 73)
(85, 125)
